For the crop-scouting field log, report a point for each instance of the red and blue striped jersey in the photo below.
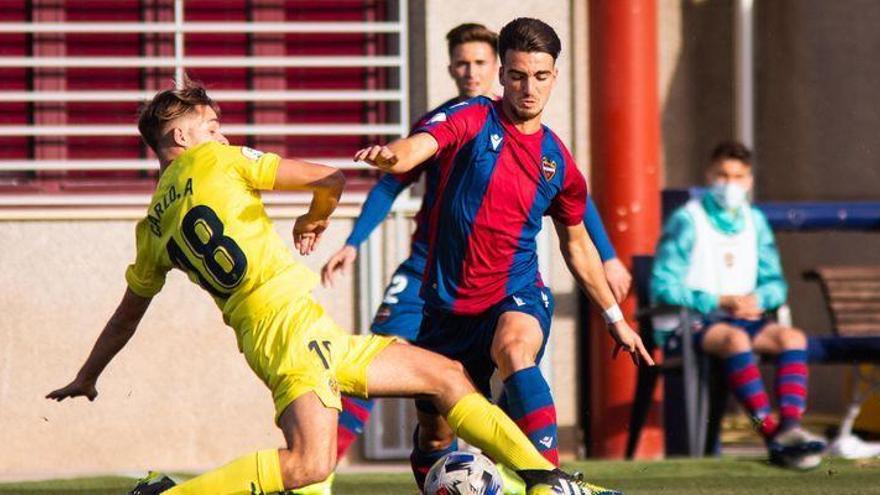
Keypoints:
(495, 186)
(383, 194)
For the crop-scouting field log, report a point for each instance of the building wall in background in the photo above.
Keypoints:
(178, 397)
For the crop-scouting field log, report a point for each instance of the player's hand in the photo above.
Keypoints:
(747, 307)
(342, 260)
(628, 340)
(307, 231)
(618, 277)
(76, 388)
(378, 156)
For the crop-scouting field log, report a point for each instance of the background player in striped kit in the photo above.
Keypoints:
(500, 172)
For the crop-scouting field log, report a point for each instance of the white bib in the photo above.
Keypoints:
(722, 264)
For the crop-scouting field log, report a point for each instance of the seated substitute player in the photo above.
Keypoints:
(207, 219)
(500, 171)
(717, 256)
(473, 67)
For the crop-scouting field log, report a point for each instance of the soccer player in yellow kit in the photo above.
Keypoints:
(207, 219)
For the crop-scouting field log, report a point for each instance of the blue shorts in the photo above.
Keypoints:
(751, 327)
(468, 338)
(400, 313)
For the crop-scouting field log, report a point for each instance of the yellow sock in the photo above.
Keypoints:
(259, 472)
(322, 488)
(483, 425)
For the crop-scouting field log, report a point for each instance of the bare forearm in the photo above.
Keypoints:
(407, 158)
(326, 196)
(114, 337)
(585, 265)
(401, 155)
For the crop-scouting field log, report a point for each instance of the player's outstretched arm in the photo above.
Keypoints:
(116, 334)
(400, 156)
(326, 184)
(585, 265)
(374, 211)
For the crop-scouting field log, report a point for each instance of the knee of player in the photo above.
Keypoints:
(513, 353)
(450, 375)
(794, 338)
(737, 340)
(300, 471)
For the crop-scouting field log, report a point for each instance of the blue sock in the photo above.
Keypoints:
(745, 382)
(530, 405)
(791, 387)
(355, 413)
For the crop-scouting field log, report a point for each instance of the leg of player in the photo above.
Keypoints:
(354, 416)
(733, 346)
(432, 439)
(792, 446)
(789, 345)
(527, 398)
(405, 370)
(310, 431)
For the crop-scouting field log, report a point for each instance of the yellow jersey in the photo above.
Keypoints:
(207, 219)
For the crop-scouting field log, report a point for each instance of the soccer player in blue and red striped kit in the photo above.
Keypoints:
(473, 66)
(500, 171)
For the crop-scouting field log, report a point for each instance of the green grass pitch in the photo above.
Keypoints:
(680, 477)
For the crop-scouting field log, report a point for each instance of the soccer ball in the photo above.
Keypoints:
(463, 473)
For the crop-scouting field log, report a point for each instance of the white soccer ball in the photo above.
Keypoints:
(463, 473)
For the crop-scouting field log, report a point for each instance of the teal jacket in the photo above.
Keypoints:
(672, 259)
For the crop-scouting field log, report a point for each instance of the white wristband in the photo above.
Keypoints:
(612, 314)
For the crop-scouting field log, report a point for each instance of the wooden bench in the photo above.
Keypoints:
(852, 296)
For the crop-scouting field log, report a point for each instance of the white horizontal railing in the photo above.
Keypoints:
(230, 129)
(217, 95)
(200, 27)
(135, 199)
(196, 62)
(180, 60)
(137, 164)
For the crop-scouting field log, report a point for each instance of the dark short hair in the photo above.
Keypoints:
(471, 32)
(731, 150)
(525, 34)
(169, 105)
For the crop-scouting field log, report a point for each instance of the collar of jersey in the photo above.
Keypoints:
(511, 129)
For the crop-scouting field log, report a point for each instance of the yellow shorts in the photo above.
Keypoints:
(298, 349)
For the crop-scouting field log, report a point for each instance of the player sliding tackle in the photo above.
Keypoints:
(207, 219)
(500, 171)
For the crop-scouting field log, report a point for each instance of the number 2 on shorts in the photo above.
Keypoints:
(398, 285)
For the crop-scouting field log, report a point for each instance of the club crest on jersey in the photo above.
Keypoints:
(250, 153)
(548, 168)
